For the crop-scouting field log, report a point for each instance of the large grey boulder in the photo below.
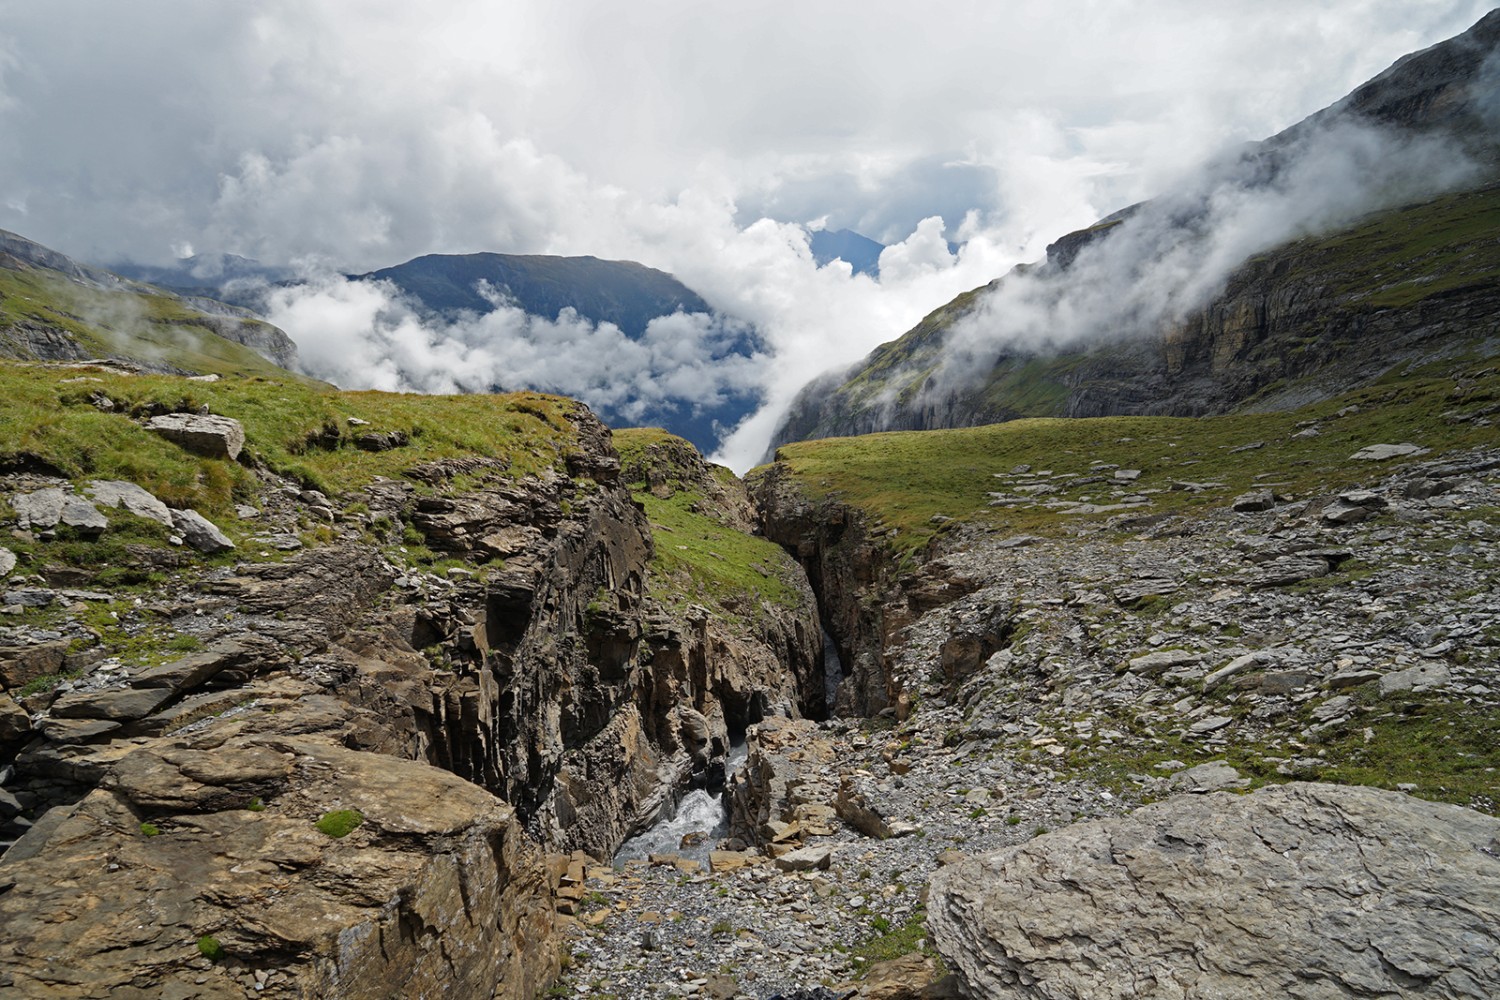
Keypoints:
(50, 507)
(207, 435)
(1305, 891)
(118, 493)
(199, 532)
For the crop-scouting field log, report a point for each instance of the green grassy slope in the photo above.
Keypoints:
(157, 329)
(904, 480)
(703, 558)
(293, 427)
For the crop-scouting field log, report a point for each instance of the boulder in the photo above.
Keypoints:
(192, 670)
(7, 561)
(20, 665)
(38, 510)
(119, 705)
(78, 513)
(1214, 776)
(857, 805)
(1353, 507)
(1152, 664)
(129, 496)
(1319, 892)
(14, 721)
(1382, 452)
(1254, 501)
(216, 437)
(1422, 677)
(199, 532)
(806, 859)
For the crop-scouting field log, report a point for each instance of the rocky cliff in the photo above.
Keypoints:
(385, 705)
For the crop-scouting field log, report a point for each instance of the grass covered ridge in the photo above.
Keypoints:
(49, 418)
(909, 481)
(704, 558)
(125, 322)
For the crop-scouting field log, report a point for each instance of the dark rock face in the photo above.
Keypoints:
(864, 601)
(1304, 890)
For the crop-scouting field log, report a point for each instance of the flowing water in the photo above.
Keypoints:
(833, 671)
(697, 813)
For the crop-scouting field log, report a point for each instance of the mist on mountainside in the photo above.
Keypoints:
(1151, 266)
(365, 334)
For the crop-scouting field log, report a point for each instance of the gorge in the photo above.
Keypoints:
(1166, 667)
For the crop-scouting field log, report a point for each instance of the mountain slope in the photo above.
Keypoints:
(54, 308)
(621, 292)
(859, 252)
(1108, 324)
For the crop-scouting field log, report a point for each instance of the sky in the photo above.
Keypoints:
(699, 138)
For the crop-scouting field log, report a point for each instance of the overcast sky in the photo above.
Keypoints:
(686, 135)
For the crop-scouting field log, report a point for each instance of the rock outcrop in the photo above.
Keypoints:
(1305, 890)
(200, 869)
(555, 690)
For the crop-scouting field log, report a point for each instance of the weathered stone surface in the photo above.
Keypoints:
(1354, 506)
(40, 509)
(7, 561)
(129, 496)
(858, 805)
(436, 893)
(191, 670)
(1307, 891)
(29, 597)
(20, 665)
(1214, 776)
(117, 704)
(1238, 665)
(806, 859)
(1422, 677)
(14, 720)
(217, 437)
(199, 532)
(1382, 452)
(1152, 664)
(1255, 500)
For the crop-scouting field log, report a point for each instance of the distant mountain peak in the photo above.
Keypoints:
(858, 251)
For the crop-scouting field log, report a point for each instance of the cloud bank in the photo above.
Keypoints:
(694, 140)
(365, 335)
(1163, 262)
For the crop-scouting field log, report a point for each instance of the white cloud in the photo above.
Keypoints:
(365, 335)
(366, 132)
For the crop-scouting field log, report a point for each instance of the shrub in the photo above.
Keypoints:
(210, 948)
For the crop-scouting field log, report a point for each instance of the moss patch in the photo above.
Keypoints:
(340, 822)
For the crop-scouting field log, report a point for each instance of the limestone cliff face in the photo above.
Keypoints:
(579, 694)
(866, 597)
(550, 690)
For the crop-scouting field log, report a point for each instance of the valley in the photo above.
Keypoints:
(1103, 636)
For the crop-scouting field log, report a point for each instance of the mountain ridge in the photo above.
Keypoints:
(1447, 91)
